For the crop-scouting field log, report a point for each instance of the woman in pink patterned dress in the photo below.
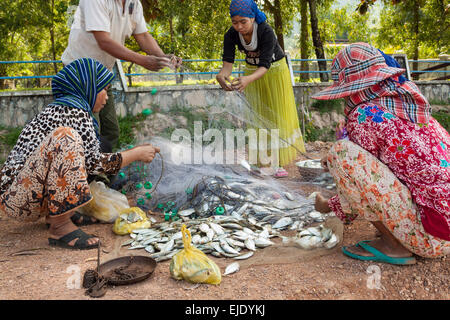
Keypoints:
(393, 169)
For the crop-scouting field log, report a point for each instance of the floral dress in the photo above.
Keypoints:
(46, 172)
(395, 171)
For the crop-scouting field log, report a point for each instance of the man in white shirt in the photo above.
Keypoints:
(99, 30)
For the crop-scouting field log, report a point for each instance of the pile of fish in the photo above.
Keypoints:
(250, 200)
(316, 237)
(314, 163)
(222, 236)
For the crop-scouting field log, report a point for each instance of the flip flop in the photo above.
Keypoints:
(378, 256)
(80, 244)
(281, 173)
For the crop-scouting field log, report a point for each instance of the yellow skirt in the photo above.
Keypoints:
(272, 99)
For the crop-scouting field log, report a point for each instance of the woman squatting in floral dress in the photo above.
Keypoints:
(393, 168)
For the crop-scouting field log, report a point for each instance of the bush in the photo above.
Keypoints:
(443, 117)
(324, 106)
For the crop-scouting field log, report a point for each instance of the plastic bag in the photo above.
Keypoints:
(130, 219)
(193, 265)
(106, 203)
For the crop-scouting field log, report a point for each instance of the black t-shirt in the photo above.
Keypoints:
(268, 49)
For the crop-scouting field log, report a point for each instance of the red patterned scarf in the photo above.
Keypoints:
(403, 100)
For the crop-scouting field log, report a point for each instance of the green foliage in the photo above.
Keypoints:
(10, 135)
(325, 106)
(126, 126)
(8, 139)
(313, 133)
(194, 29)
(443, 117)
(415, 25)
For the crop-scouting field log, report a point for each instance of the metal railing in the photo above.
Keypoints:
(443, 64)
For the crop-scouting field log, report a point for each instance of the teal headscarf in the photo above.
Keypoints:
(78, 84)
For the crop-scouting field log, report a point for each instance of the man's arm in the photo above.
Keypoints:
(149, 45)
(151, 62)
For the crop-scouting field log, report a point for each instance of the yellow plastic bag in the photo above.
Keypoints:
(193, 265)
(130, 219)
(106, 203)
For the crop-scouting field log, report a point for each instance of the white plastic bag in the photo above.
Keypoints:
(106, 203)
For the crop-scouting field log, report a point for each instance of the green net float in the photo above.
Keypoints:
(220, 210)
(189, 191)
(141, 201)
(170, 204)
(148, 195)
(147, 112)
(154, 91)
(174, 213)
(139, 186)
(160, 206)
(130, 146)
(166, 217)
(175, 218)
(124, 191)
(122, 175)
(138, 169)
(148, 185)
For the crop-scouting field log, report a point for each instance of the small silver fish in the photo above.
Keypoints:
(187, 212)
(217, 228)
(262, 242)
(204, 227)
(150, 249)
(168, 246)
(244, 256)
(250, 244)
(227, 248)
(232, 268)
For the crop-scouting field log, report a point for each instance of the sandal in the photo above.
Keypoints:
(378, 256)
(280, 173)
(80, 244)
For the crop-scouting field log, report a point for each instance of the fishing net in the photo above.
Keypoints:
(206, 166)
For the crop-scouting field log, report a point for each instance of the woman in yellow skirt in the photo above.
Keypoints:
(266, 82)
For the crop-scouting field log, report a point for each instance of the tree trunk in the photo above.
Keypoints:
(318, 46)
(130, 78)
(304, 39)
(52, 36)
(416, 37)
(278, 20)
(275, 9)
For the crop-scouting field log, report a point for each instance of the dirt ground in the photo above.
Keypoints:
(54, 273)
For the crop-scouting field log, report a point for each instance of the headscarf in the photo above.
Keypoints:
(247, 8)
(78, 84)
(402, 99)
(363, 74)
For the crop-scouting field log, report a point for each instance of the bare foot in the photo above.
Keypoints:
(381, 246)
(321, 204)
(59, 228)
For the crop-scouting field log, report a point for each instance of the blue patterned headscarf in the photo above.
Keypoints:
(78, 84)
(391, 62)
(247, 8)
